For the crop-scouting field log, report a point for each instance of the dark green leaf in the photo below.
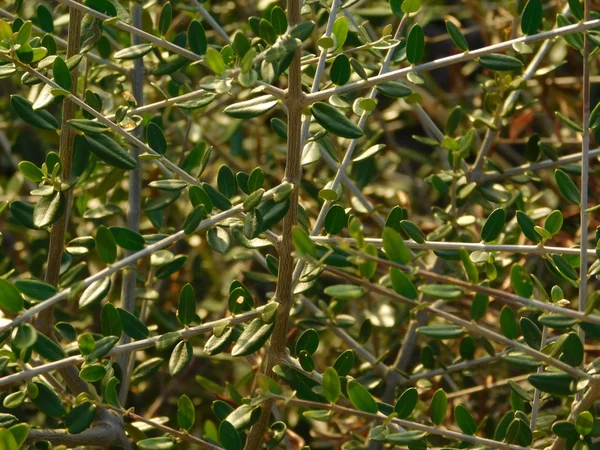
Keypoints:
(415, 45)
(334, 121)
(500, 63)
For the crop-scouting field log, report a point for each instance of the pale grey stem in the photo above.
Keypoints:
(211, 20)
(533, 167)
(129, 348)
(128, 288)
(449, 60)
(490, 135)
(469, 246)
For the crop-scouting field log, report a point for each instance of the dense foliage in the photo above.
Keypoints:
(349, 224)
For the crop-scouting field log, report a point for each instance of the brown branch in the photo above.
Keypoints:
(284, 292)
(45, 320)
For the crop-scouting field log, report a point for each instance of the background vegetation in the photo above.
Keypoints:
(322, 224)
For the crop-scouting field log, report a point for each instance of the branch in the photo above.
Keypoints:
(449, 60)
(284, 291)
(404, 423)
(470, 326)
(206, 223)
(126, 349)
(134, 200)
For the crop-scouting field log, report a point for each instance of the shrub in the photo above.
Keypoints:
(324, 225)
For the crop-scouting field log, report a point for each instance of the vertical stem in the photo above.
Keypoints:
(585, 169)
(45, 320)
(284, 292)
(135, 194)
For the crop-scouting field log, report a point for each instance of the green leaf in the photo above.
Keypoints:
(411, 6)
(25, 336)
(344, 291)
(527, 226)
(554, 222)
(575, 40)
(229, 436)
(197, 38)
(439, 406)
(465, 420)
(584, 424)
(521, 281)
(186, 414)
(193, 220)
(31, 171)
(441, 331)
(303, 243)
(508, 323)
(49, 209)
(165, 19)
(156, 139)
(40, 119)
(361, 398)
(553, 383)
(413, 231)
(569, 123)
(573, 351)
(334, 121)
(48, 402)
(80, 417)
(88, 126)
(180, 357)
(344, 363)
(157, 443)
(10, 297)
(109, 151)
(133, 52)
(340, 31)
(442, 291)
(168, 269)
(415, 44)
(531, 333)
(500, 63)
(226, 182)
(532, 17)
(187, 305)
(128, 239)
(251, 108)
(61, 73)
(7, 440)
(218, 239)
(402, 284)
(331, 385)
(308, 342)
(406, 403)
(564, 267)
(394, 246)
(405, 438)
(48, 349)
(279, 20)
(110, 321)
(493, 225)
(132, 326)
(457, 37)
(566, 187)
(340, 70)
(106, 245)
(92, 373)
(214, 60)
(253, 337)
(95, 292)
